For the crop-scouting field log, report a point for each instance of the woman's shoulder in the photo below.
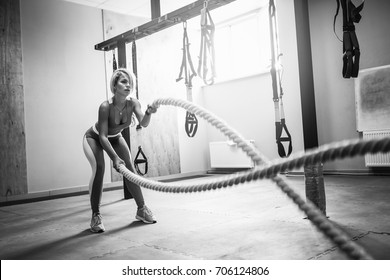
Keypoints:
(133, 101)
(104, 106)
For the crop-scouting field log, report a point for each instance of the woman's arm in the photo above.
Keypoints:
(143, 119)
(104, 110)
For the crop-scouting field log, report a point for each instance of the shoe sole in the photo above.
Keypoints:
(96, 231)
(145, 221)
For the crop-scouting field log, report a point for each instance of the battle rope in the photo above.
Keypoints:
(351, 49)
(325, 153)
(191, 123)
(280, 120)
(207, 52)
(322, 154)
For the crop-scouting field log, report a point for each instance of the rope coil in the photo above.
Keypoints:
(269, 169)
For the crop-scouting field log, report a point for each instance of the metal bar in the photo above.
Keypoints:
(305, 65)
(122, 54)
(126, 131)
(155, 8)
(314, 180)
(160, 23)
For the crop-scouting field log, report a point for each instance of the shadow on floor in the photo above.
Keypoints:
(34, 251)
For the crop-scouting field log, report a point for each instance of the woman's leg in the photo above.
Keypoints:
(143, 213)
(94, 152)
(122, 150)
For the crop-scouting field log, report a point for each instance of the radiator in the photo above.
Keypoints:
(380, 159)
(227, 155)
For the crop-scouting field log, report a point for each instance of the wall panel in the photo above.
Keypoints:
(158, 62)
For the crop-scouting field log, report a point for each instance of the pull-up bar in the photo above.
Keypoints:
(160, 23)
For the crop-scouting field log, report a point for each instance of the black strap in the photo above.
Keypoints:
(134, 62)
(272, 22)
(335, 18)
(141, 159)
(280, 121)
(351, 48)
(207, 51)
(114, 64)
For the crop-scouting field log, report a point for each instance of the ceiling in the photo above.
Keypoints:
(139, 8)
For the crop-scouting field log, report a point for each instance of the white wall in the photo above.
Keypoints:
(335, 96)
(64, 84)
(246, 104)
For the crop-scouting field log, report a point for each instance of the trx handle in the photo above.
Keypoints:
(280, 126)
(191, 124)
(207, 50)
(142, 160)
(351, 48)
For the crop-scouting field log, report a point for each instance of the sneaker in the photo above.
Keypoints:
(145, 215)
(96, 223)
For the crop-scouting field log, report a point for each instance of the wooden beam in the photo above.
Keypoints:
(160, 23)
(13, 163)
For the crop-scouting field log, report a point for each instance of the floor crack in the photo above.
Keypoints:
(377, 232)
(354, 238)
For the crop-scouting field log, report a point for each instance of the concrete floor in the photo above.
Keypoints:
(252, 221)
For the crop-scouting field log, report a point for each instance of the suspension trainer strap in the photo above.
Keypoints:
(114, 64)
(207, 51)
(186, 60)
(134, 62)
(191, 122)
(351, 48)
(280, 121)
(140, 158)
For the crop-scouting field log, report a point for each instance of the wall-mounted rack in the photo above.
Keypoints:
(160, 23)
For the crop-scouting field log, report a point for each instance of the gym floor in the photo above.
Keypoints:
(251, 221)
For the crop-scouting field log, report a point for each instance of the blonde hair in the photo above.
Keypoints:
(123, 72)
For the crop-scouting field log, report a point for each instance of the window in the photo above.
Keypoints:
(242, 45)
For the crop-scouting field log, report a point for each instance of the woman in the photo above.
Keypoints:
(114, 116)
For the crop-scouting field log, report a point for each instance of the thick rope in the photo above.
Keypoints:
(326, 153)
(234, 135)
(268, 169)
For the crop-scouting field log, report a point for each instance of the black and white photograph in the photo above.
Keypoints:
(194, 139)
